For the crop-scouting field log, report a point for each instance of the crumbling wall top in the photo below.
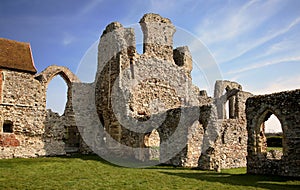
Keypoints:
(111, 27)
(222, 85)
(158, 36)
(152, 17)
(183, 58)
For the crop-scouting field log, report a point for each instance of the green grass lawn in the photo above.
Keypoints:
(274, 148)
(90, 172)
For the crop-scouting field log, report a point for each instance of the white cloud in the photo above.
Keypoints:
(252, 44)
(90, 6)
(281, 84)
(68, 39)
(264, 64)
(235, 30)
(233, 21)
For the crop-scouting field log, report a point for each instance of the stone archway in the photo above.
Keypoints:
(53, 70)
(69, 77)
(61, 132)
(285, 106)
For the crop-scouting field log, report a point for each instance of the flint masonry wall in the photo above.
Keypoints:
(233, 138)
(129, 85)
(61, 134)
(22, 105)
(229, 135)
(23, 109)
(284, 105)
(136, 94)
(145, 92)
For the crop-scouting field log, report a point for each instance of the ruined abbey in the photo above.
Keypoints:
(143, 106)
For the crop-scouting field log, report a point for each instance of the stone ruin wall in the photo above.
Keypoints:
(286, 107)
(35, 130)
(159, 93)
(22, 104)
(142, 87)
(232, 141)
(158, 74)
(229, 149)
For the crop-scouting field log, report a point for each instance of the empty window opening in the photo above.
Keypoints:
(230, 105)
(273, 131)
(230, 108)
(273, 125)
(270, 137)
(227, 110)
(139, 48)
(7, 126)
(57, 95)
(152, 141)
(71, 139)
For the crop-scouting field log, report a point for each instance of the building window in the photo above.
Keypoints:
(7, 126)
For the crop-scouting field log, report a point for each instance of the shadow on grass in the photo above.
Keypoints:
(92, 157)
(123, 163)
(247, 180)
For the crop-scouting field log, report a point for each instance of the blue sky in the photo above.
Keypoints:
(255, 43)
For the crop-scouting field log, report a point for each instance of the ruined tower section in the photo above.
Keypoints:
(22, 104)
(115, 53)
(158, 36)
(136, 94)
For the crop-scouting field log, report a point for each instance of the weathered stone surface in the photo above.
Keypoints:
(286, 107)
(136, 94)
(144, 107)
(23, 105)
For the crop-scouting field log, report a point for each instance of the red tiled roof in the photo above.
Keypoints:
(16, 56)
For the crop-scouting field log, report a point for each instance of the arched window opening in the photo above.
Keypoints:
(152, 141)
(57, 93)
(273, 131)
(271, 138)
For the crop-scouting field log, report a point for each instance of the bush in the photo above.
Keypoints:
(274, 141)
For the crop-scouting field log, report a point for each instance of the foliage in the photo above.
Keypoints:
(274, 141)
(90, 172)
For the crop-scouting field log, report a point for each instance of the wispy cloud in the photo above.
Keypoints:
(235, 20)
(90, 6)
(234, 30)
(68, 39)
(264, 64)
(168, 6)
(248, 46)
(281, 84)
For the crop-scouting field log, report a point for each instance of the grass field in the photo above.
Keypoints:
(274, 148)
(90, 172)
